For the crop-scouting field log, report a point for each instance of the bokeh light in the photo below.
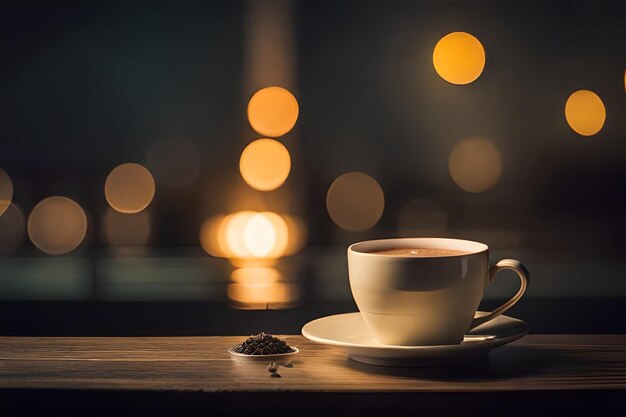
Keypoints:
(251, 235)
(585, 112)
(6, 191)
(422, 217)
(265, 164)
(355, 201)
(209, 232)
(475, 165)
(129, 188)
(259, 288)
(57, 225)
(296, 234)
(280, 230)
(11, 228)
(231, 237)
(273, 111)
(175, 163)
(120, 229)
(459, 58)
(259, 236)
(256, 276)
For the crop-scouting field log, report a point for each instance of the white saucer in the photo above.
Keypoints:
(350, 332)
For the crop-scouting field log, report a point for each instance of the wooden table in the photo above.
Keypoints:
(536, 373)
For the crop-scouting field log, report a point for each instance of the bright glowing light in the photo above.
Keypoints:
(129, 188)
(355, 201)
(459, 58)
(6, 191)
(585, 113)
(259, 236)
(265, 164)
(250, 235)
(57, 225)
(281, 232)
(475, 165)
(422, 217)
(126, 229)
(11, 228)
(175, 163)
(273, 111)
(234, 241)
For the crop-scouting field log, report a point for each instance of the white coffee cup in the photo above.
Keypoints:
(408, 300)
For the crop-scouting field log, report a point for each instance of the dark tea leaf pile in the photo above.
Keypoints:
(263, 344)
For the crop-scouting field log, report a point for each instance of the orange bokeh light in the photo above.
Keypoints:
(459, 58)
(265, 164)
(273, 111)
(585, 112)
(57, 225)
(129, 188)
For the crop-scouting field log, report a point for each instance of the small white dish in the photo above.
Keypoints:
(350, 332)
(263, 358)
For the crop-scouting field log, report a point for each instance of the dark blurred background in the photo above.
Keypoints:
(87, 86)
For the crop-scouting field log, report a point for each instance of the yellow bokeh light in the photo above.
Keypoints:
(296, 234)
(232, 237)
(585, 112)
(6, 191)
(256, 276)
(11, 228)
(355, 201)
(57, 225)
(249, 235)
(265, 164)
(259, 236)
(475, 165)
(209, 232)
(459, 58)
(129, 188)
(273, 111)
(121, 229)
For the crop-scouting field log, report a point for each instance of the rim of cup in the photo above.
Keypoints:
(366, 247)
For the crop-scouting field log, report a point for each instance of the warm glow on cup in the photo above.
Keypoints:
(129, 188)
(475, 165)
(585, 112)
(6, 191)
(459, 58)
(273, 111)
(57, 225)
(355, 201)
(265, 164)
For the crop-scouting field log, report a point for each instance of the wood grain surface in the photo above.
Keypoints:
(536, 362)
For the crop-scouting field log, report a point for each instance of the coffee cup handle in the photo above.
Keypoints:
(524, 276)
